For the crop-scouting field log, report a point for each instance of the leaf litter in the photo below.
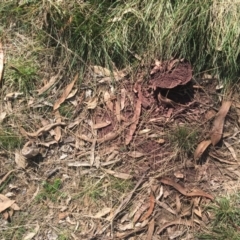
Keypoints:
(123, 116)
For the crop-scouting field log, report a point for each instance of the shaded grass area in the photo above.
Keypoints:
(110, 33)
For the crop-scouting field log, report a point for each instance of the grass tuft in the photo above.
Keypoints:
(50, 191)
(9, 140)
(184, 139)
(226, 222)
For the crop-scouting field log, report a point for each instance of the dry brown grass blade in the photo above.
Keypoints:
(184, 191)
(66, 92)
(45, 129)
(176, 222)
(217, 130)
(202, 146)
(101, 125)
(1, 63)
(151, 207)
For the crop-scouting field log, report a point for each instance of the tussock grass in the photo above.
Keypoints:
(226, 221)
(110, 33)
(184, 139)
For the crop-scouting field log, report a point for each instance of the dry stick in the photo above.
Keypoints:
(123, 204)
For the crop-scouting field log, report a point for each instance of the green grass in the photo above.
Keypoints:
(10, 140)
(226, 222)
(110, 33)
(22, 75)
(95, 190)
(50, 191)
(66, 110)
(184, 138)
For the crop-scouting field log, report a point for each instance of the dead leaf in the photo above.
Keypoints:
(6, 204)
(65, 94)
(184, 191)
(178, 204)
(179, 174)
(150, 230)
(20, 160)
(49, 84)
(32, 234)
(135, 121)
(57, 130)
(15, 207)
(102, 212)
(117, 174)
(6, 215)
(135, 154)
(92, 153)
(2, 115)
(12, 96)
(72, 94)
(118, 111)
(107, 100)
(101, 71)
(75, 123)
(101, 125)
(144, 131)
(1, 63)
(92, 103)
(151, 207)
(217, 130)
(62, 215)
(45, 129)
(143, 208)
(202, 146)
(123, 98)
(160, 141)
